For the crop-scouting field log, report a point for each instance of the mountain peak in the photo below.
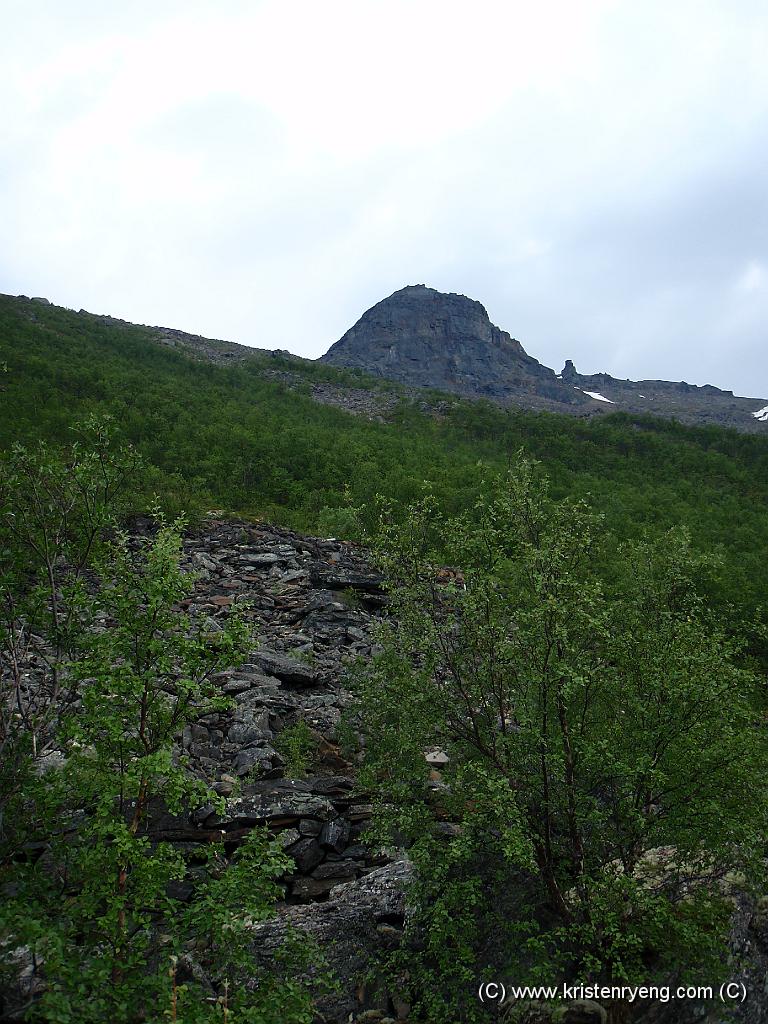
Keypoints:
(422, 337)
(427, 338)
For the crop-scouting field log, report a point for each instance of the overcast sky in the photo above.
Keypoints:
(594, 172)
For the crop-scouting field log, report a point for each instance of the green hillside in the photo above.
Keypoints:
(230, 437)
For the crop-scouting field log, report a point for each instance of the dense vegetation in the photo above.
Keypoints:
(564, 751)
(87, 752)
(233, 438)
(590, 687)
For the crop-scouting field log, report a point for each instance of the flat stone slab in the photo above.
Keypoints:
(285, 668)
(271, 800)
(338, 577)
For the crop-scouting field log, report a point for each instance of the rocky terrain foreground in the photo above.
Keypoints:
(312, 603)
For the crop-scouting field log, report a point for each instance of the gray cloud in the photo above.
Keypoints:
(265, 172)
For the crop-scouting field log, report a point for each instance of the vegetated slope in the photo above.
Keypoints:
(426, 338)
(248, 437)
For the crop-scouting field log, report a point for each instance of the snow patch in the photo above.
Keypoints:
(761, 414)
(598, 397)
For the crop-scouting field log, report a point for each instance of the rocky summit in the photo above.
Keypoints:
(422, 338)
(425, 338)
(429, 339)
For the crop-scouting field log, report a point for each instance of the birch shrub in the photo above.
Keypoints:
(87, 904)
(603, 791)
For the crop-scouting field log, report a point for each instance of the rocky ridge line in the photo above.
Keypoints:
(425, 338)
(420, 338)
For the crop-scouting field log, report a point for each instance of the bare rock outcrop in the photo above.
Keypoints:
(426, 338)
(423, 338)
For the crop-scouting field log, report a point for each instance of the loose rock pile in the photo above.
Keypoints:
(311, 603)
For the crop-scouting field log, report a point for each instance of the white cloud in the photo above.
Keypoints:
(264, 171)
(754, 278)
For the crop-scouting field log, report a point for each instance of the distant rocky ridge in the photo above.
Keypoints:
(426, 338)
(421, 338)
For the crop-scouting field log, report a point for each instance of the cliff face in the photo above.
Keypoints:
(426, 338)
